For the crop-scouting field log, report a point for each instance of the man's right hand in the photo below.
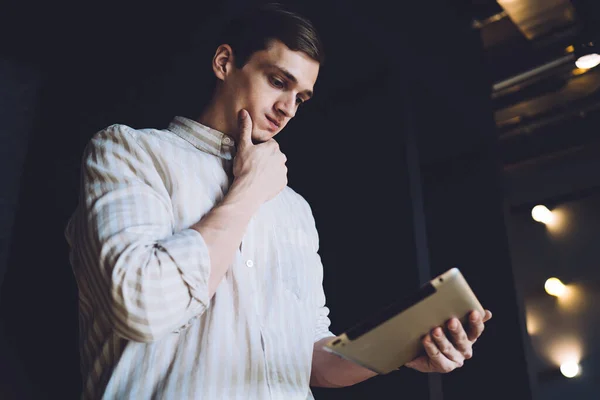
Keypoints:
(259, 170)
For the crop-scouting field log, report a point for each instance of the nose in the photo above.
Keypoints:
(287, 106)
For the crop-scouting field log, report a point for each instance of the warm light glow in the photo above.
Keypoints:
(570, 369)
(564, 350)
(542, 214)
(533, 324)
(570, 49)
(559, 223)
(588, 61)
(578, 71)
(555, 287)
(574, 299)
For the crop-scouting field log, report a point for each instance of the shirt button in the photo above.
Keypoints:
(226, 141)
(249, 263)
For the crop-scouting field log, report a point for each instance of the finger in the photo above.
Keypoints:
(476, 326)
(437, 359)
(460, 339)
(245, 126)
(273, 145)
(418, 362)
(488, 316)
(447, 348)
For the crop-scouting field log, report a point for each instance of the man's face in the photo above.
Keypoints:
(271, 86)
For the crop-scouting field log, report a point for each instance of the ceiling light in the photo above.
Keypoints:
(570, 369)
(542, 214)
(555, 287)
(588, 61)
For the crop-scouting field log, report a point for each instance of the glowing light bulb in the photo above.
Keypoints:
(588, 61)
(555, 287)
(542, 214)
(570, 369)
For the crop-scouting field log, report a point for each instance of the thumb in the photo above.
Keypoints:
(245, 126)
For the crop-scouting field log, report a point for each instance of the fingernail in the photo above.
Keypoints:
(437, 333)
(474, 317)
(242, 115)
(453, 325)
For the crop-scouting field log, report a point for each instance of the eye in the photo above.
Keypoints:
(299, 101)
(278, 83)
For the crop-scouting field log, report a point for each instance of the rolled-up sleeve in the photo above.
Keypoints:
(149, 279)
(322, 321)
(322, 312)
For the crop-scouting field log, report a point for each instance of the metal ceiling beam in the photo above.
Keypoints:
(532, 73)
(535, 18)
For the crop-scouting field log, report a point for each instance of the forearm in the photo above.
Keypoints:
(330, 370)
(223, 229)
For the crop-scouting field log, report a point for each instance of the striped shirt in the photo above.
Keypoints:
(147, 327)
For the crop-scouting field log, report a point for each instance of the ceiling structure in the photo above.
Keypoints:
(538, 92)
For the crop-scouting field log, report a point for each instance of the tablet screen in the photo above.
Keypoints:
(390, 311)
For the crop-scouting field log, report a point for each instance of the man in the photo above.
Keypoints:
(197, 266)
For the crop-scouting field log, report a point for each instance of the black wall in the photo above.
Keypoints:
(20, 82)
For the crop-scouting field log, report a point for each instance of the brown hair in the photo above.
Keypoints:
(255, 29)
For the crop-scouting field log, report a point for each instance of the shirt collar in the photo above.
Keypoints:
(203, 138)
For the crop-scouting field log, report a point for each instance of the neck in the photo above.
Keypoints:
(214, 116)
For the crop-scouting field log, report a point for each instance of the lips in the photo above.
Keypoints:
(274, 123)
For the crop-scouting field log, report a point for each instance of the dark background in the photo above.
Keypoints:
(404, 154)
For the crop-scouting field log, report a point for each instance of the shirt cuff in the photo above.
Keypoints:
(190, 254)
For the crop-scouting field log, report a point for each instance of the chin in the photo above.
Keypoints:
(260, 139)
(263, 136)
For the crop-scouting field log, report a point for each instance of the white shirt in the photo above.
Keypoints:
(147, 327)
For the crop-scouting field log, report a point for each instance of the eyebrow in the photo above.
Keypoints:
(288, 75)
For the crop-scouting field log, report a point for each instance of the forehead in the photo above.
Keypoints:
(298, 63)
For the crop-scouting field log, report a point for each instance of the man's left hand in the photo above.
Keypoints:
(445, 353)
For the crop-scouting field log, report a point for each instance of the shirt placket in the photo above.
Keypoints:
(253, 273)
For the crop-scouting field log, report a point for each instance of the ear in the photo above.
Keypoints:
(223, 61)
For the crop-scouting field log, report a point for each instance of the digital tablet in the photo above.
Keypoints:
(392, 337)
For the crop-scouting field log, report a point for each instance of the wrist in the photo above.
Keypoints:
(240, 195)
